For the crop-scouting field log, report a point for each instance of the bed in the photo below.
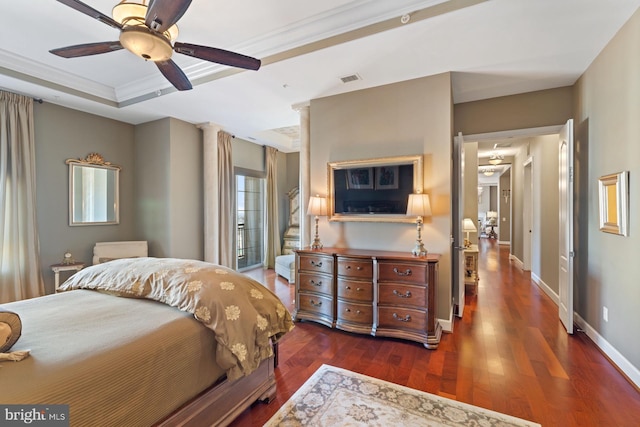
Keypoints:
(148, 341)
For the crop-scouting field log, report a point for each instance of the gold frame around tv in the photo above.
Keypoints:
(416, 161)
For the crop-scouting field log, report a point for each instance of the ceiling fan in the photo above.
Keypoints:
(149, 32)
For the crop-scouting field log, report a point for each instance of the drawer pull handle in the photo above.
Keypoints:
(314, 283)
(357, 268)
(316, 264)
(348, 310)
(315, 304)
(407, 272)
(405, 295)
(406, 318)
(357, 289)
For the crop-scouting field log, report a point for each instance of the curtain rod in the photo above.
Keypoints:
(38, 100)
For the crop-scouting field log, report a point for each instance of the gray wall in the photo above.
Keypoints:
(169, 201)
(60, 134)
(607, 109)
(407, 118)
(152, 177)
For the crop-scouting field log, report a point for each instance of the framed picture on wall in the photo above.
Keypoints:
(613, 192)
(360, 178)
(387, 178)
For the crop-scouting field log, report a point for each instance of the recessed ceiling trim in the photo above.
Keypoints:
(16, 66)
(54, 86)
(126, 96)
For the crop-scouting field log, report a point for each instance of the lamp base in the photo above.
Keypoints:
(419, 249)
(317, 244)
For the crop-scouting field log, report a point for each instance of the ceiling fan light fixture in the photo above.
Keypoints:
(145, 43)
(133, 13)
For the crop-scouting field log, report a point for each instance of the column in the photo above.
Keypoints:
(305, 171)
(210, 188)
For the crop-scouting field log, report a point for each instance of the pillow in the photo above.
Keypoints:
(10, 329)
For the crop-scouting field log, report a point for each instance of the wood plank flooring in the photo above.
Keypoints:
(509, 354)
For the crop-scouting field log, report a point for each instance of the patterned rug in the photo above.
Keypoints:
(337, 397)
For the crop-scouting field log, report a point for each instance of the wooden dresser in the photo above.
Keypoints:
(380, 293)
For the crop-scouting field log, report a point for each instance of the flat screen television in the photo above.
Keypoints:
(373, 190)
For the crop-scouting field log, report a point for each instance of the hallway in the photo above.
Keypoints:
(509, 353)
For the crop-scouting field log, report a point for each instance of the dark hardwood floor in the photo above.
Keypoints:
(509, 353)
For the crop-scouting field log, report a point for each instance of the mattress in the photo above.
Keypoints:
(115, 361)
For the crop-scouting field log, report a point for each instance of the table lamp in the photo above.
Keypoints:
(318, 207)
(468, 227)
(418, 205)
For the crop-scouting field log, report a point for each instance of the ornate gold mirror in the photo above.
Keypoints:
(93, 191)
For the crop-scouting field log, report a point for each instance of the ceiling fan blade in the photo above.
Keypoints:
(88, 10)
(162, 14)
(86, 49)
(220, 56)
(174, 74)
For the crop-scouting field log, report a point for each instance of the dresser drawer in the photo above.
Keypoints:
(355, 290)
(402, 318)
(315, 304)
(355, 313)
(315, 263)
(403, 295)
(402, 272)
(351, 268)
(315, 283)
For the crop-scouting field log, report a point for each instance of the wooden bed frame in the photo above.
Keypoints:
(224, 401)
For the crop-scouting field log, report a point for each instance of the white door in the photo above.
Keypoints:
(458, 215)
(565, 238)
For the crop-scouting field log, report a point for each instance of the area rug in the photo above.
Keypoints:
(337, 397)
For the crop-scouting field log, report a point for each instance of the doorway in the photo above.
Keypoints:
(534, 222)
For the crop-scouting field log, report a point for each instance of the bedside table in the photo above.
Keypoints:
(57, 268)
(471, 267)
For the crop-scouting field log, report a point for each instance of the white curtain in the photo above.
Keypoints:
(272, 232)
(20, 275)
(227, 202)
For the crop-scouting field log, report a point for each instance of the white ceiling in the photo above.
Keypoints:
(493, 48)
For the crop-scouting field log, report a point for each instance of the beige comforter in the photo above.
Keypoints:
(114, 361)
(243, 314)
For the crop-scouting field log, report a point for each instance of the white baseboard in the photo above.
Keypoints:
(447, 325)
(515, 259)
(614, 355)
(545, 288)
(504, 242)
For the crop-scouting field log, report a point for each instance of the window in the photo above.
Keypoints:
(250, 196)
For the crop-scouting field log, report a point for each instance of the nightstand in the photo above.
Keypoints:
(57, 268)
(471, 267)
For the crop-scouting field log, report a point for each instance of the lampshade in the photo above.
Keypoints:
(137, 37)
(468, 226)
(317, 206)
(419, 205)
(492, 214)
